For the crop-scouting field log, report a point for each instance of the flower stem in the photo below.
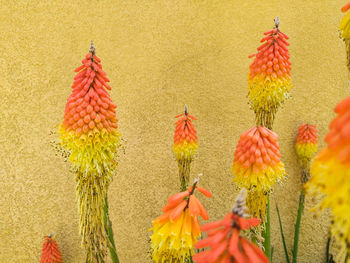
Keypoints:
(109, 231)
(184, 173)
(267, 231)
(282, 235)
(327, 248)
(297, 225)
(183, 184)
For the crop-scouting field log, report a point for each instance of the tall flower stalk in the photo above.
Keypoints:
(90, 133)
(269, 83)
(176, 231)
(185, 146)
(269, 79)
(306, 148)
(225, 242)
(331, 175)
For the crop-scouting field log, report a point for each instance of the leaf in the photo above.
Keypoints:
(109, 231)
(297, 225)
(282, 235)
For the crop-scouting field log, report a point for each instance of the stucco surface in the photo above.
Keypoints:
(159, 55)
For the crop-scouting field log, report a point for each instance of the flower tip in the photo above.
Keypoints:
(277, 22)
(196, 180)
(239, 205)
(92, 47)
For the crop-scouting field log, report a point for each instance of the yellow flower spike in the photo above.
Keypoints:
(331, 174)
(269, 79)
(306, 145)
(176, 231)
(185, 145)
(345, 30)
(257, 167)
(89, 132)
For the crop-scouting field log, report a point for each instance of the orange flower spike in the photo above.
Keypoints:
(185, 137)
(50, 251)
(185, 145)
(330, 171)
(177, 230)
(269, 76)
(257, 166)
(225, 242)
(306, 145)
(89, 133)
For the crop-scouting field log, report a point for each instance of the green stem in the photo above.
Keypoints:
(109, 231)
(267, 231)
(183, 184)
(297, 225)
(282, 235)
(184, 173)
(327, 248)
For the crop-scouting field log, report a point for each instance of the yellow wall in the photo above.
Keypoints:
(159, 55)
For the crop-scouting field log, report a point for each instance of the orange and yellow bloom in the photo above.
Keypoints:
(185, 137)
(345, 30)
(176, 231)
(306, 145)
(269, 79)
(225, 242)
(331, 174)
(257, 166)
(185, 145)
(50, 252)
(89, 132)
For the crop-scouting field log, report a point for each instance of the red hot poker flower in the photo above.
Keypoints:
(226, 244)
(269, 79)
(50, 251)
(306, 145)
(272, 58)
(176, 231)
(185, 145)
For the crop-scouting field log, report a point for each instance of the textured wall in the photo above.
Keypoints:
(159, 55)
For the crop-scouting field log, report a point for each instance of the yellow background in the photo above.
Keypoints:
(159, 55)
